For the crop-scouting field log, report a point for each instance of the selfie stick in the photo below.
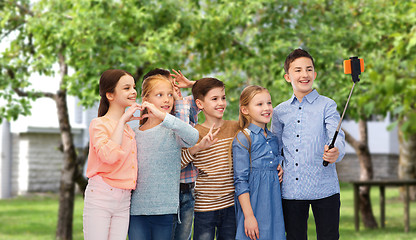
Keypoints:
(354, 66)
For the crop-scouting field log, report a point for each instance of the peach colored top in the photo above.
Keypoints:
(116, 164)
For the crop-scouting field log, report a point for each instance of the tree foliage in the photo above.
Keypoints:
(240, 42)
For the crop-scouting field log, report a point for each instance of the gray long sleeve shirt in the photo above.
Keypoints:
(159, 166)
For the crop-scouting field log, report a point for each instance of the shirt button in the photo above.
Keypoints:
(271, 161)
(297, 179)
(297, 135)
(271, 152)
(267, 142)
(297, 150)
(300, 108)
(298, 121)
(296, 164)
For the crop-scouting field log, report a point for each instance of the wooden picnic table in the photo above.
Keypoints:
(382, 185)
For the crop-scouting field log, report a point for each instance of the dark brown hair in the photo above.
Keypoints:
(108, 82)
(297, 53)
(157, 71)
(204, 85)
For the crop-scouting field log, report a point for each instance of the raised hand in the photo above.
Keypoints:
(129, 114)
(206, 142)
(177, 95)
(180, 81)
(153, 111)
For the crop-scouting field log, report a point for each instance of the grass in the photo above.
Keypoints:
(34, 217)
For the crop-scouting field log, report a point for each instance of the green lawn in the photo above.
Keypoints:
(34, 217)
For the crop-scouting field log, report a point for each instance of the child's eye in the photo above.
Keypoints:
(223, 98)
(170, 95)
(214, 99)
(270, 103)
(158, 95)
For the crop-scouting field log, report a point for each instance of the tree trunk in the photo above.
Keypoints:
(366, 173)
(407, 160)
(67, 182)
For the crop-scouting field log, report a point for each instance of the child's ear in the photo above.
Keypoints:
(110, 96)
(199, 104)
(287, 78)
(244, 110)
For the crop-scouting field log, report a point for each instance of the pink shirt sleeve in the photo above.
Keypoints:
(106, 150)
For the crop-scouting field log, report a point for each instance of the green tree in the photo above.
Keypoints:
(83, 38)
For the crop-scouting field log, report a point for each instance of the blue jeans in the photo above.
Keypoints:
(182, 230)
(151, 227)
(222, 220)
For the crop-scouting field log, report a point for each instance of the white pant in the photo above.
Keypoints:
(106, 211)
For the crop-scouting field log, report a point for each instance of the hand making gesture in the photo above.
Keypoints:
(180, 81)
(206, 142)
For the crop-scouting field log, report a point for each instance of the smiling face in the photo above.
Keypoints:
(214, 103)
(259, 109)
(161, 95)
(301, 75)
(124, 93)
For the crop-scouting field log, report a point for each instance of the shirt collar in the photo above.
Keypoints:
(310, 97)
(256, 129)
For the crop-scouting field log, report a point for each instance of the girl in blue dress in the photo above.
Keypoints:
(257, 170)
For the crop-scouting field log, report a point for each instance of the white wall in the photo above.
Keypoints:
(381, 141)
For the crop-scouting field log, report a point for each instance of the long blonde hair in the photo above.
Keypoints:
(148, 86)
(244, 120)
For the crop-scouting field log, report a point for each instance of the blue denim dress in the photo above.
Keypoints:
(256, 173)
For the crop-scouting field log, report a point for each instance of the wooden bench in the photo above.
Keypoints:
(382, 184)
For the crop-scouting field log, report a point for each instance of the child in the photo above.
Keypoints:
(304, 125)
(186, 110)
(214, 190)
(256, 160)
(112, 164)
(159, 138)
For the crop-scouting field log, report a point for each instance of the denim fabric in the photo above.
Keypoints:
(256, 173)
(183, 229)
(219, 223)
(151, 227)
(106, 210)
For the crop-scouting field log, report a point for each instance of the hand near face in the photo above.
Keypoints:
(153, 111)
(180, 81)
(129, 114)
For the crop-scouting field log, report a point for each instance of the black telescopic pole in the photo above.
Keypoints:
(325, 163)
(355, 72)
